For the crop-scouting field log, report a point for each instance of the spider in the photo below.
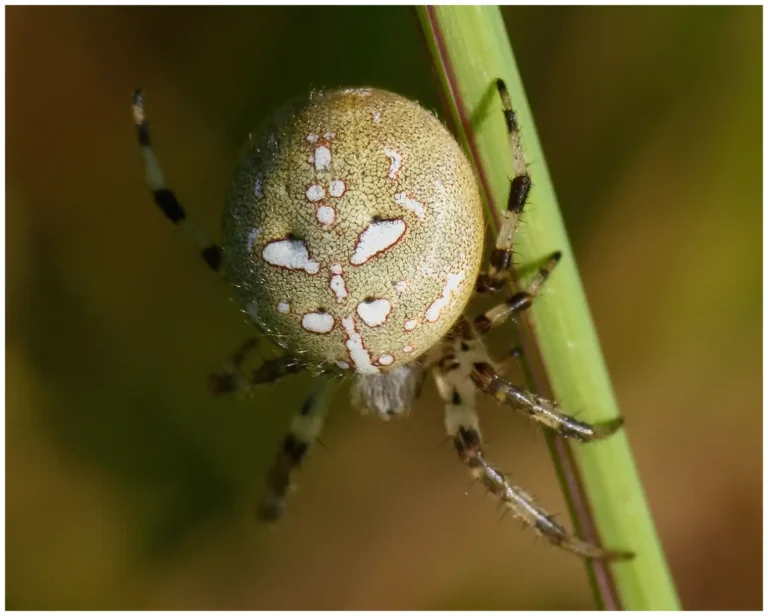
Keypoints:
(353, 239)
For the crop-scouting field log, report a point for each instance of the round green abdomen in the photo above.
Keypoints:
(354, 230)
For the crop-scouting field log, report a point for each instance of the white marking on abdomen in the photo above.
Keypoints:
(315, 192)
(410, 324)
(376, 238)
(317, 322)
(401, 286)
(395, 161)
(284, 307)
(376, 117)
(336, 188)
(257, 186)
(322, 158)
(291, 254)
(374, 313)
(357, 350)
(409, 203)
(408, 348)
(386, 359)
(326, 215)
(450, 289)
(343, 365)
(338, 286)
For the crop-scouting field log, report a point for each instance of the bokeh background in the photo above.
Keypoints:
(129, 486)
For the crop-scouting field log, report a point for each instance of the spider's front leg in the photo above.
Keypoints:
(483, 373)
(165, 198)
(461, 352)
(500, 270)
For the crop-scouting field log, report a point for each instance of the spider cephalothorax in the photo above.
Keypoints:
(353, 237)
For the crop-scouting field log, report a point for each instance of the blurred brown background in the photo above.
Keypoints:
(129, 486)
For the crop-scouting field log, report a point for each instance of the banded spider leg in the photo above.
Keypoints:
(164, 197)
(464, 366)
(304, 431)
(307, 423)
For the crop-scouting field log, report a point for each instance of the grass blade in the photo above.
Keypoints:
(471, 49)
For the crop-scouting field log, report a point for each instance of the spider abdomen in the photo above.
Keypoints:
(353, 230)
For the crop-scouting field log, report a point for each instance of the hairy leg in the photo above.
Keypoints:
(165, 198)
(461, 351)
(516, 302)
(539, 409)
(461, 424)
(498, 273)
(304, 431)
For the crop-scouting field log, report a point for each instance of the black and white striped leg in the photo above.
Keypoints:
(461, 423)
(517, 302)
(453, 376)
(498, 273)
(540, 409)
(462, 426)
(232, 378)
(165, 198)
(304, 431)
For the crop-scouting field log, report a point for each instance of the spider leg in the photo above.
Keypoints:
(521, 504)
(517, 302)
(458, 391)
(463, 349)
(539, 409)
(165, 198)
(304, 431)
(232, 379)
(498, 273)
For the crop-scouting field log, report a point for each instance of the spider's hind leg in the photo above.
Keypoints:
(164, 197)
(304, 431)
(461, 351)
(461, 422)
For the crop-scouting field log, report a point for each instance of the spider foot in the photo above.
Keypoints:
(603, 429)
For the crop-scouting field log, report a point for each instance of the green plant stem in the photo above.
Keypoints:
(471, 50)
